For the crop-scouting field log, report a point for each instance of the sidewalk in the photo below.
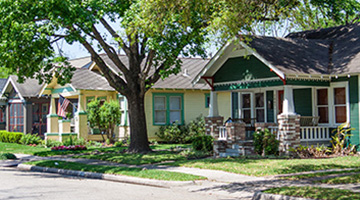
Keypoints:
(219, 182)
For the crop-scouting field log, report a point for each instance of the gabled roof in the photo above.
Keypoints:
(190, 68)
(84, 79)
(330, 51)
(30, 87)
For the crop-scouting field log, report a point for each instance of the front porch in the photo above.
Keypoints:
(296, 114)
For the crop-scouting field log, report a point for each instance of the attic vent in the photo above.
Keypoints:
(186, 74)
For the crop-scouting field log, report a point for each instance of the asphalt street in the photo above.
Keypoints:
(16, 184)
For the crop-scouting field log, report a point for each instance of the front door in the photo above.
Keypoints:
(40, 110)
(280, 101)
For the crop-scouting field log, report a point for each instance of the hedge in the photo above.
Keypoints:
(10, 137)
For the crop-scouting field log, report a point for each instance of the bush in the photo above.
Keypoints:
(6, 156)
(52, 143)
(311, 151)
(203, 143)
(265, 143)
(118, 144)
(340, 144)
(10, 137)
(30, 139)
(175, 133)
(71, 141)
(69, 148)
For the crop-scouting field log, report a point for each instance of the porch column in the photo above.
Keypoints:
(81, 127)
(52, 131)
(288, 103)
(289, 124)
(213, 107)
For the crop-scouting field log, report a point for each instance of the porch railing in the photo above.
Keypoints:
(314, 133)
(222, 133)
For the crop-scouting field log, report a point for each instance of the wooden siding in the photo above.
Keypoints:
(242, 69)
(354, 109)
(303, 101)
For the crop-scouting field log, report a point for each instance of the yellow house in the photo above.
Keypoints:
(169, 100)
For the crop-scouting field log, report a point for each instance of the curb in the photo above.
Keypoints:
(108, 177)
(267, 196)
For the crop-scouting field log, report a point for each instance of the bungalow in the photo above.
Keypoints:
(169, 100)
(300, 87)
(25, 110)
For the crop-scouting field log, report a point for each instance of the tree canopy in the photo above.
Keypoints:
(152, 34)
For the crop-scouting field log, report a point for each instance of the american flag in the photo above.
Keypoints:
(62, 105)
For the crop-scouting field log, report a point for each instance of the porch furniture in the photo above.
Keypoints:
(309, 120)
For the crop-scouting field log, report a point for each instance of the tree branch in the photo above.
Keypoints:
(114, 34)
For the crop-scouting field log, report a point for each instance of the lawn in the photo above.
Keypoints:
(269, 167)
(315, 193)
(354, 178)
(137, 159)
(319, 174)
(18, 148)
(127, 171)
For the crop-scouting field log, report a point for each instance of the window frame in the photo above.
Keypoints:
(207, 100)
(167, 107)
(328, 106)
(347, 102)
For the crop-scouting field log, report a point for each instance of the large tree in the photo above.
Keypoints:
(152, 34)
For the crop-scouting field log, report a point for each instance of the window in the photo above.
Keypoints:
(16, 116)
(207, 100)
(340, 105)
(322, 105)
(123, 109)
(2, 115)
(168, 108)
(246, 106)
(259, 107)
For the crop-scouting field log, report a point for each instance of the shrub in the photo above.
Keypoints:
(30, 139)
(118, 144)
(311, 151)
(339, 141)
(203, 143)
(70, 141)
(265, 143)
(5, 156)
(52, 143)
(10, 137)
(173, 133)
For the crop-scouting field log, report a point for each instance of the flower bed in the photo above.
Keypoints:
(69, 148)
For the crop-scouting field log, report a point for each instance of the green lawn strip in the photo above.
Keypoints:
(19, 148)
(169, 146)
(127, 171)
(315, 193)
(269, 167)
(89, 150)
(316, 175)
(136, 159)
(354, 178)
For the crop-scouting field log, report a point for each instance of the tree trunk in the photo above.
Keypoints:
(139, 142)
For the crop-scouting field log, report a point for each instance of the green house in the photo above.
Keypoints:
(300, 87)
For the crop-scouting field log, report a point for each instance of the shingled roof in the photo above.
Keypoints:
(84, 79)
(190, 68)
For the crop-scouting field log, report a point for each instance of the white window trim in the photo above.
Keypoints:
(315, 104)
(252, 104)
(340, 85)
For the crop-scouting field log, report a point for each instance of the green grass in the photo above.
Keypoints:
(19, 148)
(269, 167)
(354, 178)
(169, 146)
(127, 171)
(137, 159)
(319, 174)
(316, 193)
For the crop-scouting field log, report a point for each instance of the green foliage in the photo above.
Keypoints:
(105, 117)
(118, 144)
(72, 141)
(203, 143)
(6, 156)
(339, 141)
(265, 143)
(52, 143)
(311, 151)
(30, 139)
(10, 137)
(180, 134)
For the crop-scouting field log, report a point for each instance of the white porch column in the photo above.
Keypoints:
(288, 103)
(213, 107)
